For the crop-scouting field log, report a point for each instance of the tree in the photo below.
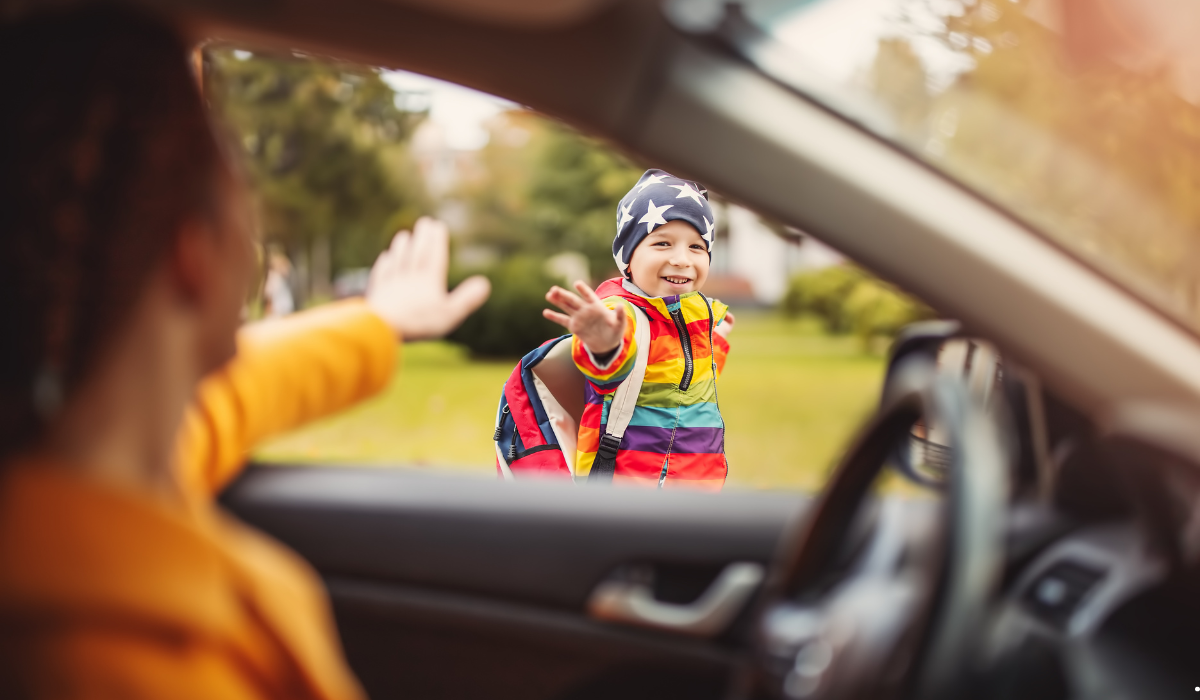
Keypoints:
(1103, 157)
(540, 189)
(545, 189)
(326, 150)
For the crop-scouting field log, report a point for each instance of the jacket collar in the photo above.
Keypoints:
(629, 291)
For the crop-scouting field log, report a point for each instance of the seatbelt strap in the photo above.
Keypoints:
(624, 401)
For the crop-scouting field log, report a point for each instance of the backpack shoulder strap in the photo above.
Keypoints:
(626, 396)
(620, 411)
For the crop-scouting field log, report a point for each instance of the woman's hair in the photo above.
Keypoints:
(105, 151)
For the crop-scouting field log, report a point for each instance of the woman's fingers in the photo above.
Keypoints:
(561, 319)
(398, 253)
(430, 246)
(466, 297)
(419, 244)
(377, 270)
(408, 285)
(388, 261)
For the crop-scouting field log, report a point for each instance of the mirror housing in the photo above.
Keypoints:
(925, 457)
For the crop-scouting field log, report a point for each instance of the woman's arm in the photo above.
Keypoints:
(287, 372)
(294, 370)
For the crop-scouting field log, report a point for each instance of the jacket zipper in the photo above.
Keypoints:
(686, 342)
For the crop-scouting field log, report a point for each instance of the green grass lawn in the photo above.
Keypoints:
(791, 396)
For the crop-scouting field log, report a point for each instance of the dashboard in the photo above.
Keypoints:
(1106, 602)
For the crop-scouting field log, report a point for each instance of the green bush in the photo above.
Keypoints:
(823, 293)
(848, 300)
(510, 323)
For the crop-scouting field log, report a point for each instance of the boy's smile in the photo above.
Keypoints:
(672, 260)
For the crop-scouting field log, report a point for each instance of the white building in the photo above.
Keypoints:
(766, 261)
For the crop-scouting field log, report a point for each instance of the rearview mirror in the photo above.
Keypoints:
(924, 457)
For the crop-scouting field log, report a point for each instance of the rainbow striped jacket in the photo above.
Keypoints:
(677, 435)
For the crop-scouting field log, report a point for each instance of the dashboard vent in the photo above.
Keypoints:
(1057, 592)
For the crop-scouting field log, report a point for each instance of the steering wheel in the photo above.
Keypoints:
(858, 607)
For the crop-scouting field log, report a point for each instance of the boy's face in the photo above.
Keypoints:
(673, 259)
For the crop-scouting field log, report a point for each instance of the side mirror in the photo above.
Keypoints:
(925, 456)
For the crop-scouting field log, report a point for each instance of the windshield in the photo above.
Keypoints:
(1099, 151)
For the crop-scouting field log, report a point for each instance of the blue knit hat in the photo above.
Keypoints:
(659, 197)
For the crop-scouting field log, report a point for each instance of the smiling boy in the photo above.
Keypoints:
(663, 247)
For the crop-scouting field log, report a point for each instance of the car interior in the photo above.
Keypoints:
(1045, 541)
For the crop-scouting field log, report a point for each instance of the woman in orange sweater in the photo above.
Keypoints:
(125, 256)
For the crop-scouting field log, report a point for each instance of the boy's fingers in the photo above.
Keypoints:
(618, 318)
(560, 305)
(585, 291)
(561, 319)
(564, 299)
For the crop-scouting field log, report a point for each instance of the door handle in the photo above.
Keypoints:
(634, 603)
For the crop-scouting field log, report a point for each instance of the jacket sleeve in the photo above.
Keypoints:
(608, 376)
(720, 352)
(287, 372)
(720, 346)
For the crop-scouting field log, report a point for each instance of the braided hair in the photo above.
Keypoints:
(105, 151)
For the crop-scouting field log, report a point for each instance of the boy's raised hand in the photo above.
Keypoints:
(599, 327)
(726, 326)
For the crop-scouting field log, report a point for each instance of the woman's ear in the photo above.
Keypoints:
(193, 261)
(213, 257)
(209, 268)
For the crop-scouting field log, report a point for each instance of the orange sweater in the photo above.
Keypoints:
(112, 594)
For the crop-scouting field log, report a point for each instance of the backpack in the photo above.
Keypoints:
(541, 406)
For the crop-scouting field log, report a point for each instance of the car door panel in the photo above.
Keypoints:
(467, 587)
(418, 643)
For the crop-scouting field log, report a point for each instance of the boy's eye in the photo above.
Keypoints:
(662, 243)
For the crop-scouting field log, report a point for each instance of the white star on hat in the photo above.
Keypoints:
(652, 180)
(620, 258)
(625, 216)
(685, 190)
(654, 215)
(708, 233)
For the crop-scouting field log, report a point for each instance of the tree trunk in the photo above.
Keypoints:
(320, 273)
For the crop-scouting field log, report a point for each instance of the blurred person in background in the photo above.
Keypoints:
(129, 396)
(277, 290)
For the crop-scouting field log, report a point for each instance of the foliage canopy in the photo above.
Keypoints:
(326, 150)
(1102, 157)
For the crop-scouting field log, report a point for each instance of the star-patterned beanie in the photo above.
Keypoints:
(659, 197)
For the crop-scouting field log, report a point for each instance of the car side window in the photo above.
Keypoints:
(341, 156)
